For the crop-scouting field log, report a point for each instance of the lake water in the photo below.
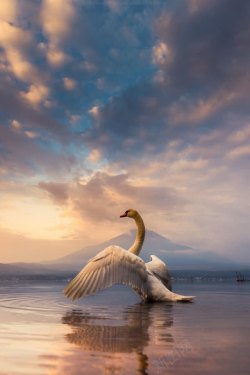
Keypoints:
(41, 332)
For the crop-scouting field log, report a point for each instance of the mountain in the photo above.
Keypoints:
(153, 243)
(175, 255)
(181, 259)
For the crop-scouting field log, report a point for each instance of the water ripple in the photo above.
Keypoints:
(34, 300)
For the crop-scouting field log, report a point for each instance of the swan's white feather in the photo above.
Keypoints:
(160, 270)
(113, 265)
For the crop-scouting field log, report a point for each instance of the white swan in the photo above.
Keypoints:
(114, 265)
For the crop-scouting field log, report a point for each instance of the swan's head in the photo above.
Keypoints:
(130, 213)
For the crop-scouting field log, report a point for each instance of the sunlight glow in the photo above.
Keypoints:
(35, 219)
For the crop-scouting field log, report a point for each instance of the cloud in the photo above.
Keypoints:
(57, 20)
(16, 43)
(240, 151)
(94, 111)
(161, 53)
(194, 111)
(31, 134)
(14, 36)
(208, 54)
(58, 191)
(241, 135)
(69, 83)
(23, 153)
(56, 17)
(55, 56)
(16, 124)
(8, 11)
(197, 5)
(13, 106)
(114, 5)
(191, 90)
(36, 94)
(102, 195)
(95, 156)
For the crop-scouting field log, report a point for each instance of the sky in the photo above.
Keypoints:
(107, 105)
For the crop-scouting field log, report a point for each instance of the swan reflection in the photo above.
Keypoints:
(125, 331)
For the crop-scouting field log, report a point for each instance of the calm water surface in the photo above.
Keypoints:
(113, 333)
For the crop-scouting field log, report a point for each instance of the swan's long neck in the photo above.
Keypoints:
(140, 235)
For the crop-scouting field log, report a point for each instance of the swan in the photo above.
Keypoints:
(115, 265)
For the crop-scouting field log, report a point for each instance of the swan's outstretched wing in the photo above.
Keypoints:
(113, 265)
(160, 270)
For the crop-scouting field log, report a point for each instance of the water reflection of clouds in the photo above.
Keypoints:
(128, 331)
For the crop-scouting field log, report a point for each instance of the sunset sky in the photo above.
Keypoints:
(112, 104)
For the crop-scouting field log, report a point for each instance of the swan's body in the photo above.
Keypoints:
(114, 265)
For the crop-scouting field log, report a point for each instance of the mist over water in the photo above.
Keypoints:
(41, 332)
